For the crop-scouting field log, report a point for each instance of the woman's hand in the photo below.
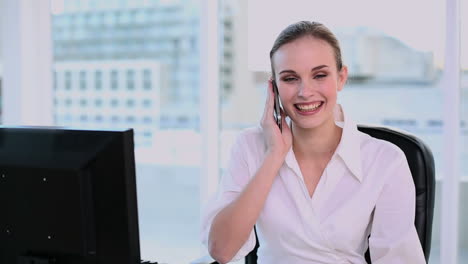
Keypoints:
(275, 141)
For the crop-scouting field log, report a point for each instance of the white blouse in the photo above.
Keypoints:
(365, 189)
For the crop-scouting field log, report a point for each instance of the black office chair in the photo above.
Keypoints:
(421, 163)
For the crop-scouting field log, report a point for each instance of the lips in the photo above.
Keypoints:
(308, 107)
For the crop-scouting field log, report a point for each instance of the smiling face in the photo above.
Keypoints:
(308, 81)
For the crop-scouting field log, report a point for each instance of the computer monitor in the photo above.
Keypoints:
(67, 196)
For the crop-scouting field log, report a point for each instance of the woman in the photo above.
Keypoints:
(319, 191)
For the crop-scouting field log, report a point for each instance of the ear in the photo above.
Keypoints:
(342, 77)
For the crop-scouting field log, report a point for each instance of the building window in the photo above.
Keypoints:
(87, 19)
(132, 17)
(83, 102)
(68, 102)
(68, 80)
(399, 122)
(82, 80)
(130, 80)
(227, 24)
(102, 18)
(193, 43)
(114, 80)
(147, 103)
(435, 123)
(226, 70)
(98, 102)
(67, 117)
(115, 119)
(130, 119)
(147, 120)
(147, 79)
(98, 80)
(114, 102)
(55, 80)
(130, 102)
(71, 20)
(227, 87)
(117, 17)
(227, 55)
(147, 134)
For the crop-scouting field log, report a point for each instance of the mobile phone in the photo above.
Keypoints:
(277, 107)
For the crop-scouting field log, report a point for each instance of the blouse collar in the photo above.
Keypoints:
(349, 148)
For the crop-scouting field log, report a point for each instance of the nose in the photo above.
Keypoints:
(306, 89)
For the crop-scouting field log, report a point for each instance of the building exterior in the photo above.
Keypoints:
(110, 94)
(376, 57)
(129, 32)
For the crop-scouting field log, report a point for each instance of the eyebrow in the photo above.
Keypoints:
(314, 69)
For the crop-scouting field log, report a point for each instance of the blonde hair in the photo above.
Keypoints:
(307, 28)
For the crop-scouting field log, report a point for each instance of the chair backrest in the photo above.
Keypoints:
(421, 163)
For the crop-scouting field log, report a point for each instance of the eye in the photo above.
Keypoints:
(320, 76)
(289, 79)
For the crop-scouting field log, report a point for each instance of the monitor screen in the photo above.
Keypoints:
(68, 196)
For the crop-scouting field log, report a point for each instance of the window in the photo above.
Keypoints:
(118, 17)
(68, 118)
(115, 119)
(147, 134)
(146, 103)
(82, 80)
(116, 57)
(114, 102)
(147, 120)
(130, 79)
(68, 80)
(435, 123)
(406, 123)
(102, 18)
(55, 80)
(146, 79)
(98, 80)
(114, 80)
(130, 119)
(130, 103)
(98, 102)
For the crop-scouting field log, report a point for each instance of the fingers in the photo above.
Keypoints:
(269, 103)
(270, 99)
(283, 120)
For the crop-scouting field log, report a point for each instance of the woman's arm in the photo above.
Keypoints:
(232, 225)
(394, 239)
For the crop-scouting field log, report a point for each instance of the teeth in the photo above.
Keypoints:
(308, 107)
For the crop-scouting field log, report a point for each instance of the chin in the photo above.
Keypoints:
(309, 122)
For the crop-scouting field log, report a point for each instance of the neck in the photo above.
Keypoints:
(316, 143)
